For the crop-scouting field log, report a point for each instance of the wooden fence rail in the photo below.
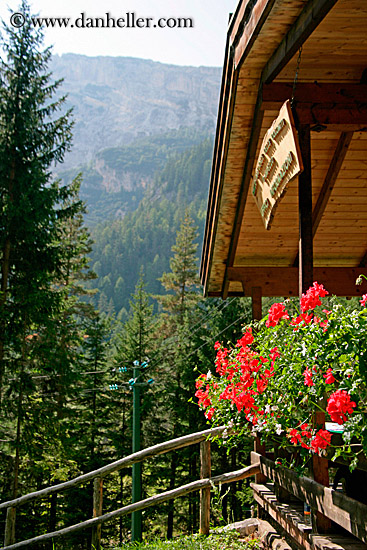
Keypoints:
(125, 462)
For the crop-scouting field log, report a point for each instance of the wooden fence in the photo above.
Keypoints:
(327, 504)
(203, 485)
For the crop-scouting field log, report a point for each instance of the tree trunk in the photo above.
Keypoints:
(5, 267)
(11, 513)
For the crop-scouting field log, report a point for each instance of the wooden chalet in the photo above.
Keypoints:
(281, 215)
(313, 52)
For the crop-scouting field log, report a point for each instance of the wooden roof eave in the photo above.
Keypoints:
(221, 138)
(242, 37)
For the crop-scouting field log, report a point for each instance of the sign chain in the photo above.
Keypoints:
(296, 76)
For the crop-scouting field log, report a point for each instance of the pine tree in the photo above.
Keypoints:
(182, 282)
(31, 139)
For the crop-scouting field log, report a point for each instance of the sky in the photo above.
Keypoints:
(201, 44)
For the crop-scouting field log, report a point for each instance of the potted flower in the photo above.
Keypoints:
(289, 366)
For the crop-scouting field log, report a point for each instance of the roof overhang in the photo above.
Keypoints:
(259, 73)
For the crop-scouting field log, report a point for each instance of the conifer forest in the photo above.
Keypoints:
(82, 297)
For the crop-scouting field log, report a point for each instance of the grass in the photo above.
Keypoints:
(229, 540)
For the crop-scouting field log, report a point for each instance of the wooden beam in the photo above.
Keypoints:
(330, 178)
(97, 511)
(363, 262)
(320, 473)
(329, 94)
(283, 281)
(313, 13)
(224, 122)
(342, 115)
(305, 251)
(259, 448)
(9, 537)
(256, 303)
(248, 29)
(345, 511)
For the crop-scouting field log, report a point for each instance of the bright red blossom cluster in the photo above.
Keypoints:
(329, 378)
(339, 405)
(299, 437)
(308, 377)
(276, 312)
(321, 440)
(254, 372)
(308, 303)
(312, 297)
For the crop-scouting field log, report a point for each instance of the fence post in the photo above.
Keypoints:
(261, 449)
(97, 511)
(320, 471)
(205, 472)
(10, 527)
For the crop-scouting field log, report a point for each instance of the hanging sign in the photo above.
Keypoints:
(278, 163)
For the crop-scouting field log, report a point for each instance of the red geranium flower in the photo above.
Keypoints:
(321, 440)
(304, 317)
(246, 339)
(329, 378)
(312, 297)
(294, 436)
(276, 312)
(339, 404)
(200, 381)
(203, 397)
(305, 430)
(364, 300)
(308, 377)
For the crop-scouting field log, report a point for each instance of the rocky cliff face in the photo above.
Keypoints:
(117, 100)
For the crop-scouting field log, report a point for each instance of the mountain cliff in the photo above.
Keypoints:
(119, 99)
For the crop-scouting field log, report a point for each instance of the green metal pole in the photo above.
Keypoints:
(136, 517)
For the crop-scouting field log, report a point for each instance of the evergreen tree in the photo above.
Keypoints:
(181, 284)
(31, 139)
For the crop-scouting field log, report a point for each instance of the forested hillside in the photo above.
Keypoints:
(117, 178)
(142, 140)
(143, 238)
